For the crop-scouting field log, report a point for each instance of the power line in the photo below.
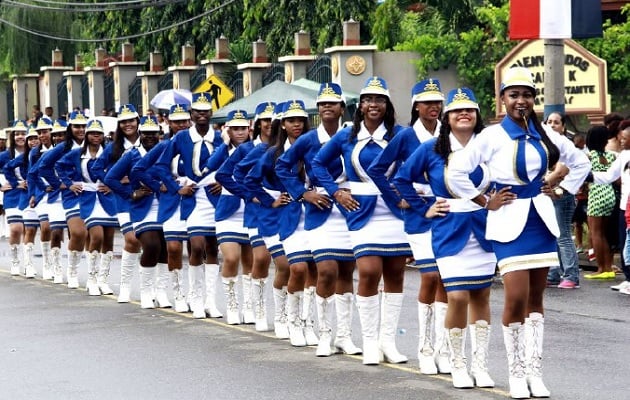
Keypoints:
(174, 25)
(113, 3)
(86, 9)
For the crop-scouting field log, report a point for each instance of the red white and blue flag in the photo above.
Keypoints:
(555, 19)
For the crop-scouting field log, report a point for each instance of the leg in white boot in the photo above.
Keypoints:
(15, 259)
(29, 268)
(103, 273)
(479, 340)
(260, 306)
(390, 313)
(324, 319)
(248, 306)
(147, 278)
(307, 317)
(368, 315)
(74, 258)
(162, 279)
(181, 305)
(426, 357)
(280, 323)
(91, 285)
(534, 330)
(212, 275)
(231, 301)
(514, 339)
(343, 339)
(128, 262)
(195, 283)
(296, 329)
(459, 368)
(55, 259)
(440, 350)
(47, 270)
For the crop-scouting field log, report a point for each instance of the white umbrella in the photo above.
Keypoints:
(166, 98)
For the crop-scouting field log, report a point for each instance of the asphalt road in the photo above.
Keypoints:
(57, 343)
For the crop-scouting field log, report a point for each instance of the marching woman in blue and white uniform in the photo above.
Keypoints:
(227, 177)
(374, 220)
(68, 202)
(125, 138)
(38, 198)
(232, 235)
(51, 202)
(143, 205)
(519, 152)
(426, 110)
(268, 189)
(464, 257)
(327, 233)
(16, 198)
(96, 205)
(17, 145)
(199, 195)
(173, 227)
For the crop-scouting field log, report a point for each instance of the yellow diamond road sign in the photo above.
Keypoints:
(221, 93)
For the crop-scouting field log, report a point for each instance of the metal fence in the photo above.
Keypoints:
(10, 104)
(236, 85)
(135, 94)
(273, 73)
(62, 95)
(319, 70)
(197, 78)
(85, 92)
(108, 91)
(166, 82)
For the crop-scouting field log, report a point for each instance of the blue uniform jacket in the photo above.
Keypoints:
(355, 165)
(451, 232)
(188, 144)
(228, 203)
(15, 172)
(46, 170)
(303, 151)
(397, 151)
(75, 167)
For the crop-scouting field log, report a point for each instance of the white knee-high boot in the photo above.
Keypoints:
(459, 367)
(248, 305)
(103, 273)
(177, 279)
(47, 270)
(260, 305)
(147, 279)
(479, 341)
(368, 315)
(325, 309)
(128, 263)
(391, 306)
(162, 280)
(534, 331)
(29, 268)
(280, 323)
(212, 276)
(231, 300)
(343, 338)
(440, 345)
(91, 285)
(426, 357)
(55, 259)
(196, 290)
(296, 328)
(514, 339)
(15, 259)
(74, 259)
(307, 316)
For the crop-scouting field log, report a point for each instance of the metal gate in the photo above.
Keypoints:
(236, 84)
(273, 73)
(166, 82)
(85, 93)
(108, 91)
(10, 104)
(197, 78)
(135, 94)
(319, 70)
(62, 95)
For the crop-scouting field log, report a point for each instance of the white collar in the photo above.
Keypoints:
(422, 133)
(377, 136)
(88, 156)
(196, 137)
(455, 144)
(127, 143)
(322, 135)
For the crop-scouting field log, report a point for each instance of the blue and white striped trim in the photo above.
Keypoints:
(276, 251)
(233, 237)
(201, 231)
(14, 219)
(427, 265)
(175, 236)
(256, 241)
(467, 283)
(108, 222)
(300, 256)
(43, 217)
(73, 213)
(31, 223)
(54, 225)
(147, 226)
(382, 250)
(333, 254)
(126, 228)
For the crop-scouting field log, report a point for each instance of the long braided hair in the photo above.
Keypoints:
(443, 143)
